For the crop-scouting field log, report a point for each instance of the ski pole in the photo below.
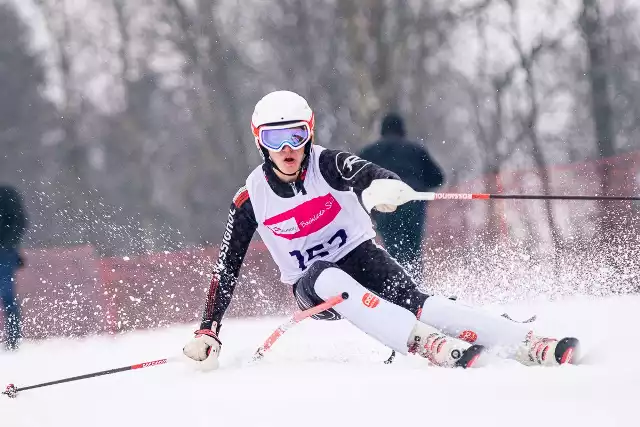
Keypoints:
(12, 391)
(299, 316)
(390, 192)
(484, 196)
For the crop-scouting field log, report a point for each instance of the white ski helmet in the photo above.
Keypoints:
(279, 108)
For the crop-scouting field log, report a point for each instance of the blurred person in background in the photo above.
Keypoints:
(402, 231)
(13, 223)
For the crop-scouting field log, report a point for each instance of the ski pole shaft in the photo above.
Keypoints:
(299, 316)
(485, 196)
(12, 390)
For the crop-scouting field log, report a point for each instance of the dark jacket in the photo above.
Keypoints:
(402, 231)
(13, 221)
(406, 158)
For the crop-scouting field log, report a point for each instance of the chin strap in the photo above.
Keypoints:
(273, 165)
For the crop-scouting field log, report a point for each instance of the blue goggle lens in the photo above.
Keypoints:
(276, 139)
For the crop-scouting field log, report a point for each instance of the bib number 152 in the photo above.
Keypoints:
(321, 250)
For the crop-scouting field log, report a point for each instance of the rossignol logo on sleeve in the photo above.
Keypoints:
(226, 240)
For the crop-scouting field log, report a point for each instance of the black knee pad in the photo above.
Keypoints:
(305, 294)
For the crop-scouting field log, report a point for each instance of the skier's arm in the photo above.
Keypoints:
(343, 170)
(239, 229)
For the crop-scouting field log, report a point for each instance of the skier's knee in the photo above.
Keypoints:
(306, 284)
(305, 294)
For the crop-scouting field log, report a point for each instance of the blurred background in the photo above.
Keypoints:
(125, 125)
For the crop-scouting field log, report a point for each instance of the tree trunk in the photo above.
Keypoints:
(594, 33)
(539, 159)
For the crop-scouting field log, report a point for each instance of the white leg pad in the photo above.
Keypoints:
(454, 318)
(388, 323)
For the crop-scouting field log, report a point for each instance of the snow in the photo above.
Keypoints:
(329, 373)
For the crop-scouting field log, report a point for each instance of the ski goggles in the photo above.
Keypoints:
(275, 137)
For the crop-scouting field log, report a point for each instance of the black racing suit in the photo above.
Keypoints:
(368, 264)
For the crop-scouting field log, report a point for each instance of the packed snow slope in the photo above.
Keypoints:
(323, 373)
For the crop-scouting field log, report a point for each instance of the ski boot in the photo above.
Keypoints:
(442, 350)
(536, 350)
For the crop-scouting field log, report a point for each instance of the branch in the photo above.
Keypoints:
(188, 42)
(469, 12)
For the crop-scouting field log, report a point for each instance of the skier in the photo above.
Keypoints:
(304, 200)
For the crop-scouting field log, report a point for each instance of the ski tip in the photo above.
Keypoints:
(470, 356)
(567, 351)
(391, 358)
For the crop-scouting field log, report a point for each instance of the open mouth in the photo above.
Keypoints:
(289, 161)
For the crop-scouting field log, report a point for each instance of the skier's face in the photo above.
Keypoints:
(288, 160)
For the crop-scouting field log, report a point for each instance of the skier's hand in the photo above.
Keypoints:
(204, 348)
(385, 195)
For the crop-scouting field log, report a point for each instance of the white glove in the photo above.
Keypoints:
(385, 195)
(204, 348)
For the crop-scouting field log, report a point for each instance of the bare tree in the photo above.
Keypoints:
(624, 52)
(212, 62)
(486, 92)
(527, 60)
(119, 7)
(25, 114)
(597, 44)
(162, 92)
(73, 176)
